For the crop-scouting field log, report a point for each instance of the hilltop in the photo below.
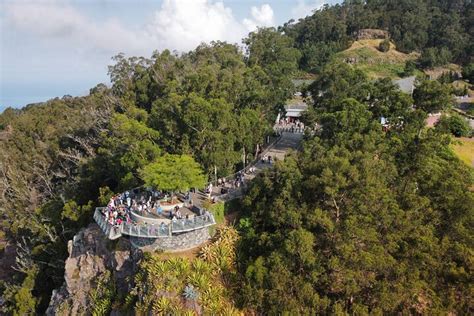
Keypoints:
(365, 55)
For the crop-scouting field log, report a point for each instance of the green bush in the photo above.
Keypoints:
(434, 57)
(410, 67)
(218, 211)
(454, 124)
(468, 73)
(384, 46)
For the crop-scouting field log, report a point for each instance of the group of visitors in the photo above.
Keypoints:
(120, 206)
(115, 214)
(267, 159)
(236, 182)
(288, 125)
(147, 201)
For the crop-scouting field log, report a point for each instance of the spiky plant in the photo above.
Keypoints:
(190, 293)
(200, 266)
(201, 281)
(158, 268)
(162, 306)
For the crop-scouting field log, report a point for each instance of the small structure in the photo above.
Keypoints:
(294, 110)
(406, 85)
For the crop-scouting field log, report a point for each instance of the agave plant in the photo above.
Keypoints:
(201, 281)
(200, 266)
(162, 305)
(190, 293)
(229, 310)
(188, 313)
(158, 268)
(178, 266)
(213, 294)
(204, 252)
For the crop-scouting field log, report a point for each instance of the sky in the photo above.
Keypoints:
(51, 48)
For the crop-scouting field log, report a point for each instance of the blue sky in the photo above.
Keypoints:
(51, 48)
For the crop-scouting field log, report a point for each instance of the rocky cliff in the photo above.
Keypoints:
(90, 256)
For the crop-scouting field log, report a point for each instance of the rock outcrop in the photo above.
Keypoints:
(365, 34)
(90, 255)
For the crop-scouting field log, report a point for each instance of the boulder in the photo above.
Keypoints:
(90, 255)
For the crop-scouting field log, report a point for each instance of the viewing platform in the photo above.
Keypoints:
(151, 220)
(152, 229)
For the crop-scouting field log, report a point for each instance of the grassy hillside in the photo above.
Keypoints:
(464, 148)
(365, 55)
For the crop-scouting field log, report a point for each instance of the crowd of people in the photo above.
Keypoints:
(145, 202)
(231, 183)
(142, 202)
(287, 125)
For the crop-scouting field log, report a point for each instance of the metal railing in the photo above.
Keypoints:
(186, 225)
(111, 231)
(152, 230)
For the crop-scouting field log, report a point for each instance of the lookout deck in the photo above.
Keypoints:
(159, 227)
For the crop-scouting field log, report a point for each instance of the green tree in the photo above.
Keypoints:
(432, 96)
(454, 124)
(468, 72)
(409, 69)
(274, 53)
(129, 146)
(173, 173)
(362, 220)
(384, 46)
(434, 57)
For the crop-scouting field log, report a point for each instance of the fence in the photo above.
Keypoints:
(111, 231)
(152, 230)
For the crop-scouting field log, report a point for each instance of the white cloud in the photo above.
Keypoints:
(305, 8)
(54, 47)
(262, 16)
(178, 25)
(61, 23)
(182, 25)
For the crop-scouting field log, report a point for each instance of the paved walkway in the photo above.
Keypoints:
(288, 141)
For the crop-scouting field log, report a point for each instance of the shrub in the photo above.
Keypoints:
(454, 124)
(468, 73)
(410, 67)
(434, 57)
(384, 46)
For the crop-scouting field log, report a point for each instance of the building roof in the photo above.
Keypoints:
(300, 106)
(294, 109)
(299, 82)
(406, 84)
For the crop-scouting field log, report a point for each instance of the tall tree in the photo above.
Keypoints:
(173, 173)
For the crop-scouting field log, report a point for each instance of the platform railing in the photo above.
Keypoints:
(186, 225)
(111, 231)
(152, 230)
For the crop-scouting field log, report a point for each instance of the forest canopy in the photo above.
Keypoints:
(362, 221)
(365, 219)
(442, 30)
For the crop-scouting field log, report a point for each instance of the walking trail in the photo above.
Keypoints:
(288, 141)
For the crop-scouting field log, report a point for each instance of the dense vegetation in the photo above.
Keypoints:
(60, 159)
(176, 285)
(361, 221)
(442, 30)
